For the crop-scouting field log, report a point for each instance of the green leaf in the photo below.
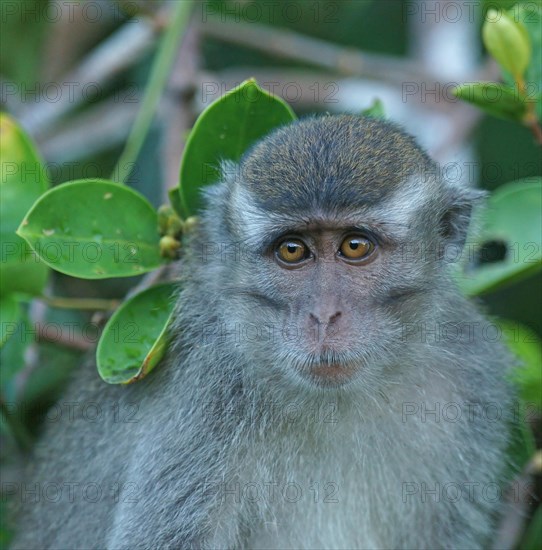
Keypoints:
(224, 131)
(521, 444)
(376, 110)
(496, 99)
(134, 339)
(22, 180)
(94, 229)
(507, 41)
(175, 201)
(6, 529)
(527, 377)
(10, 313)
(530, 15)
(533, 532)
(526, 345)
(513, 221)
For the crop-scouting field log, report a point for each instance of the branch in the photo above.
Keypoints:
(320, 53)
(307, 89)
(98, 128)
(118, 52)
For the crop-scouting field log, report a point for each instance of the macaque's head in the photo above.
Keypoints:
(328, 238)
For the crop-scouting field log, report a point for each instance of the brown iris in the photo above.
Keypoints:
(292, 251)
(356, 247)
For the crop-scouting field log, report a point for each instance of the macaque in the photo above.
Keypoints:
(326, 384)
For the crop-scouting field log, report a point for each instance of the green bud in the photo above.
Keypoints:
(174, 226)
(164, 213)
(169, 247)
(190, 223)
(507, 41)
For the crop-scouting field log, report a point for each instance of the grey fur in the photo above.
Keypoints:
(233, 447)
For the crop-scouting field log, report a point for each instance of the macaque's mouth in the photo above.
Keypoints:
(331, 374)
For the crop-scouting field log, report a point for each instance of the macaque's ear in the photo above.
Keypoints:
(454, 223)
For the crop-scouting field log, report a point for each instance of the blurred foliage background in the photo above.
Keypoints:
(74, 74)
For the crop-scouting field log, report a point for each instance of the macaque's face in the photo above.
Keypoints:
(332, 290)
(339, 223)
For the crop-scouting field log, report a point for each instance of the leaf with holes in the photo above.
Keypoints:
(224, 131)
(509, 246)
(134, 339)
(94, 229)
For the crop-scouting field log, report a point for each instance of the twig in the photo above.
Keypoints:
(536, 130)
(70, 341)
(157, 81)
(162, 273)
(531, 118)
(512, 525)
(79, 303)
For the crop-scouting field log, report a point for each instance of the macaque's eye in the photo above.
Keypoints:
(356, 247)
(292, 251)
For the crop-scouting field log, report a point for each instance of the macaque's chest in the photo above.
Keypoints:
(312, 514)
(312, 497)
(352, 480)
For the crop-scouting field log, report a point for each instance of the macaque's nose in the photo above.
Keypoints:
(324, 319)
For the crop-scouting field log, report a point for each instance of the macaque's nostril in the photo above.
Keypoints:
(334, 317)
